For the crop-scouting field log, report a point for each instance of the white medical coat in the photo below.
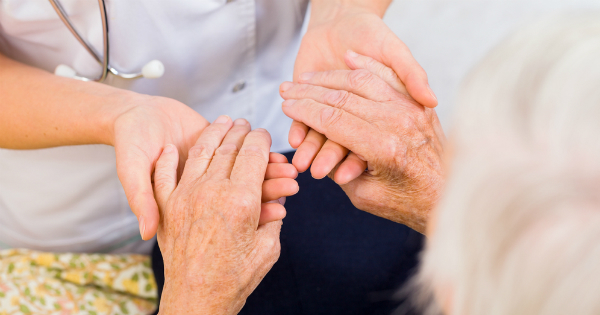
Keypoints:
(69, 198)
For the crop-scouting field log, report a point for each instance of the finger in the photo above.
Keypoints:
(277, 158)
(298, 132)
(271, 212)
(202, 152)
(273, 189)
(397, 56)
(222, 162)
(307, 151)
(330, 155)
(356, 61)
(165, 175)
(281, 170)
(352, 167)
(342, 127)
(360, 82)
(134, 171)
(337, 98)
(251, 162)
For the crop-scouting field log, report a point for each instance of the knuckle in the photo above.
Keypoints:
(253, 151)
(388, 74)
(201, 151)
(360, 78)
(162, 181)
(330, 116)
(227, 149)
(302, 89)
(389, 147)
(337, 98)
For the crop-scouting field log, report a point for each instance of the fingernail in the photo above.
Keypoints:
(281, 201)
(222, 119)
(286, 86)
(287, 103)
(431, 92)
(142, 226)
(240, 122)
(352, 54)
(169, 148)
(261, 130)
(306, 76)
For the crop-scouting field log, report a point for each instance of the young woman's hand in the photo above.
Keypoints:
(139, 136)
(141, 133)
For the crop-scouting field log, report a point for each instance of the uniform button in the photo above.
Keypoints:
(229, 1)
(239, 86)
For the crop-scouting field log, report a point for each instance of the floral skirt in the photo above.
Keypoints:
(33, 282)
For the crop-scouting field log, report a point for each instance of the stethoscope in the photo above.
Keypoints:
(153, 69)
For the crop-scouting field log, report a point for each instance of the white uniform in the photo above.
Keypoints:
(221, 57)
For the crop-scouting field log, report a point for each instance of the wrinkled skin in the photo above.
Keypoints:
(399, 140)
(215, 251)
(141, 132)
(334, 29)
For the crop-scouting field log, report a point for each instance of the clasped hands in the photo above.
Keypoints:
(219, 238)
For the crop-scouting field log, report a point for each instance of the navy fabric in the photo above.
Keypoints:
(335, 259)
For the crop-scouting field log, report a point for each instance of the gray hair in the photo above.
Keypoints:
(518, 229)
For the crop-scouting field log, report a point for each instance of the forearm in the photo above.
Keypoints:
(40, 110)
(323, 8)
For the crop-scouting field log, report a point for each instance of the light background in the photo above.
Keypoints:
(449, 37)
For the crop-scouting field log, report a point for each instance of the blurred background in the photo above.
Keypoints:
(448, 37)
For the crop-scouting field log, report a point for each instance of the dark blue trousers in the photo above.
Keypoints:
(335, 259)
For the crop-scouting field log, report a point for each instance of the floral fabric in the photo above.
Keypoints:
(33, 282)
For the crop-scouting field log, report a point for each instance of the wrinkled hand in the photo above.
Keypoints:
(331, 32)
(141, 133)
(400, 140)
(214, 250)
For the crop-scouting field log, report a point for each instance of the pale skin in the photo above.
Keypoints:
(400, 141)
(211, 234)
(335, 27)
(41, 110)
(215, 248)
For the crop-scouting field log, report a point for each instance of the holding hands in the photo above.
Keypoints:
(334, 28)
(398, 140)
(217, 236)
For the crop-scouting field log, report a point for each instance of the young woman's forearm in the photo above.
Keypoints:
(40, 110)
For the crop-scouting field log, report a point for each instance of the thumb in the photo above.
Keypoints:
(134, 170)
(397, 56)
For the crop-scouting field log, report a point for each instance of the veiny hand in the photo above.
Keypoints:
(215, 252)
(332, 31)
(400, 140)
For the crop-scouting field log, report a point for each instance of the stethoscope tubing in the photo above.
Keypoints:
(101, 60)
(156, 66)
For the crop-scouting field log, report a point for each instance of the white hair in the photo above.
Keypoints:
(518, 229)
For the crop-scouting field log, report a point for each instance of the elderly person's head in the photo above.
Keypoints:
(518, 228)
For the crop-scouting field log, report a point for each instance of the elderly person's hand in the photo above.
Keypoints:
(215, 249)
(400, 140)
(335, 27)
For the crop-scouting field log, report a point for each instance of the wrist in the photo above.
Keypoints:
(115, 104)
(181, 299)
(326, 10)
